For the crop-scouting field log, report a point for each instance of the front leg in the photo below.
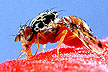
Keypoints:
(27, 51)
(20, 54)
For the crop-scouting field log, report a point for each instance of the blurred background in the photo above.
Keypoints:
(16, 12)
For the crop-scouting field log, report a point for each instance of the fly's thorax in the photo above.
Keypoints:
(43, 21)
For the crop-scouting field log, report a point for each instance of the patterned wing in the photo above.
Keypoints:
(89, 41)
(82, 30)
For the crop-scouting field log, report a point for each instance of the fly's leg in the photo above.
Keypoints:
(20, 55)
(70, 37)
(43, 37)
(37, 43)
(28, 53)
(43, 47)
(63, 33)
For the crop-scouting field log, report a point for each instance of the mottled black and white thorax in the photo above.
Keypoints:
(44, 21)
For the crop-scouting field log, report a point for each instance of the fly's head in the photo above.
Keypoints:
(25, 32)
